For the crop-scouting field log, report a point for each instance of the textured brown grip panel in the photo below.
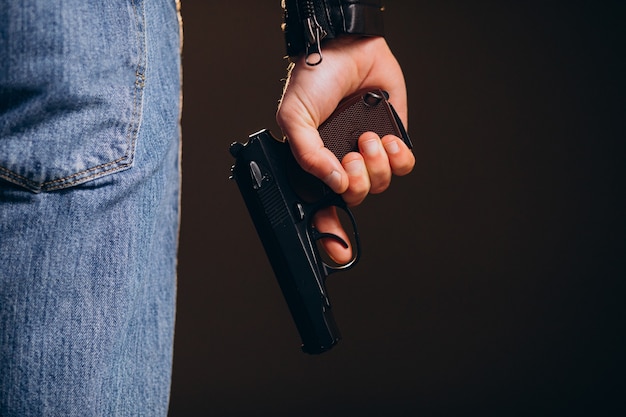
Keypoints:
(366, 111)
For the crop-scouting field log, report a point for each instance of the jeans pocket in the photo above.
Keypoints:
(71, 89)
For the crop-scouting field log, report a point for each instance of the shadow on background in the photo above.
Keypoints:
(492, 277)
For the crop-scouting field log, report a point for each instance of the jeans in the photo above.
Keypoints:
(89, 205)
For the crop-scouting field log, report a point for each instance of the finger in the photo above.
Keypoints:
(311, 154)
(401, 158)
(359, 179)
(307, 146)
(376, 162)
(326, 220)
(300, 128)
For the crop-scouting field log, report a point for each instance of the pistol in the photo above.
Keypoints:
(282, 200)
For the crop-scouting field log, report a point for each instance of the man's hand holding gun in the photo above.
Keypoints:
(294, 189)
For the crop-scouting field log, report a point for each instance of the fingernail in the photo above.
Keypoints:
(371, 147)
(392, 147)
(354, 167)
(333, 180)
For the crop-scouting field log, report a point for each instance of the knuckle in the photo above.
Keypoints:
(380, 186)
(404, 167)
(307, 161)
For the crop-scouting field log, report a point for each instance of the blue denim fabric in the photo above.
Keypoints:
(89, 205)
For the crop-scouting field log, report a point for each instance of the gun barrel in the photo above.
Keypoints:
(279, 216)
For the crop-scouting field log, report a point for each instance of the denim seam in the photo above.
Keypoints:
(119, 164)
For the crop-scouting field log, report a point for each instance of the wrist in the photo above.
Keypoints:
(308, 24)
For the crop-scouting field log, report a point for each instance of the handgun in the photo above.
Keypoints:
(282, 200)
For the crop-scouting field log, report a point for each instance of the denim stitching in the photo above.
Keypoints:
(131, 138)
(133, 127)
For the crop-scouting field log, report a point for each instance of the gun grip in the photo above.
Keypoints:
(365, 111)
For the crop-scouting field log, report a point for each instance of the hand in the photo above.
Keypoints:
(312, 93)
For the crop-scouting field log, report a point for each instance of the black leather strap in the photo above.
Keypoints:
(308, 23)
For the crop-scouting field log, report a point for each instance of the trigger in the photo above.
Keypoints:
(317, 236)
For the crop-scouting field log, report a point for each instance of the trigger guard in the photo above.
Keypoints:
(317, 235)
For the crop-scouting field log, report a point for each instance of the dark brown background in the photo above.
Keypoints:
(492, 278)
